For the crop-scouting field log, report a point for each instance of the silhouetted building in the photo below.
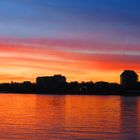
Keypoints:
(27, 83)
(101, 85)
(51, 82)
(129, 79)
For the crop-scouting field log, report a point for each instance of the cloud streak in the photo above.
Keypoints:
(47, 57)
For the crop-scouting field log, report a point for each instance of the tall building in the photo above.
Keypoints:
(129, 79)
(51, 82)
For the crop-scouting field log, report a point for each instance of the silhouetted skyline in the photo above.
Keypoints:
(58, 84)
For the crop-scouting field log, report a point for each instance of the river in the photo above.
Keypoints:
(49, 117)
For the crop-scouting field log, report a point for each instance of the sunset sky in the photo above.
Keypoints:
(85, 40)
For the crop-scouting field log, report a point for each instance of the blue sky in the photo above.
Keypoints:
(47, 18)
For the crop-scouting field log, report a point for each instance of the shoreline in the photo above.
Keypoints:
(126, 93)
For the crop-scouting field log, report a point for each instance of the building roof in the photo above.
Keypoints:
(129, 73)
(59, 75)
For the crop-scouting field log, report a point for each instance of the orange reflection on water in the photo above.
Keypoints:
(98, 113)
(50, 117)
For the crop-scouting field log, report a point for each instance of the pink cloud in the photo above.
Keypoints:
(66, 57)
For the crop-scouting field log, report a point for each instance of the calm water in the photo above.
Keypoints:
(41, 117)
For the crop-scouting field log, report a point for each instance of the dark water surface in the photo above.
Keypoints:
(42, 117)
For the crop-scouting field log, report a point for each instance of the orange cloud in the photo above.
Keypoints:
(25, 59)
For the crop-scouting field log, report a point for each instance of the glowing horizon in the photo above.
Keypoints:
(82, 40)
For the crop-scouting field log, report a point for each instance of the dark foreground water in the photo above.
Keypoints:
(41, 117)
